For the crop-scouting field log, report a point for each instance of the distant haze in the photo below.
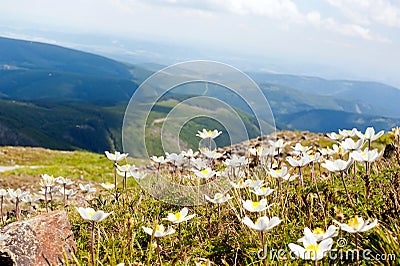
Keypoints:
(346, 39)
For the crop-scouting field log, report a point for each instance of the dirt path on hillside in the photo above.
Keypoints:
(10, 168)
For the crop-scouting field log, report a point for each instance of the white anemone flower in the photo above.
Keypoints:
(17, 194)
(263, 223)
(159, 231)
(258, 151)
(370, 135)
(256, 183)
(67, 192)
(126, 168)
(312, 250)
(347, 133)
(262, 191)
(3, 192)
(160, 159)
(211, 154)
(87, 188)
(236, 161)
(241, 183)
(339, 150)
(357, 225)
(116, 156)
(198, 163)
(206, 173)
(319, 234)
(282, 173)
(255, 206)
(335, 136)
(337, 165)
(218, 198)
(327, 152)
(49, 190)
(350, 145)
(366, 155)
(47, 180)
(303, 161)
(92, 215)
(279, 144)
(300, 149)
(139, 176)
(316, 157)
(64, 181)
(189, 153)
(30, 199)
(107, 186)
(208, 134)
(175, 159)
(179, 217)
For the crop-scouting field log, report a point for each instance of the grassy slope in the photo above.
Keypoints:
(67, 125)
(226, 239)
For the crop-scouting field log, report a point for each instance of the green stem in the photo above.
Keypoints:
(263, 248)
(45, 199)
(345, 188)
(1, 210)
(92, 243)
(357, 255)
(64, 195)
(301, 178)
(355, 173)
(158, 253)
(115, 181)
(179, 238)
(17, 209)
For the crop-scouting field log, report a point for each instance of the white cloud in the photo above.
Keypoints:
(367, 12)
(275, 9)
(352, 30)
(287, 12)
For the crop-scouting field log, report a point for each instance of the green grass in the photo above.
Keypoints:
(224, 240)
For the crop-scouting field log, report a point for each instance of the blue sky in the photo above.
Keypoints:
(357, 39)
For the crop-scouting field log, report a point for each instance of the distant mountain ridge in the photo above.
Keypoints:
(383, 98)
(62, 98)
(20, 54)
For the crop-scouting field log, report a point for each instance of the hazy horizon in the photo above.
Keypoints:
(357, 40)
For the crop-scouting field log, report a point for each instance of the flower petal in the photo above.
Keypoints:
(297, 250)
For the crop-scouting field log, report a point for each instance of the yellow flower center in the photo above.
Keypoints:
(256, 204)
(205, 171)
(312, 250)
(218, 196)
(160, 228)
(353, 222)
(91, 213)
(178, 216)
(278, 171)
(363, 154)
(318, 231)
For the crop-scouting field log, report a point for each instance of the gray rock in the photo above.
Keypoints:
(41, 240)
